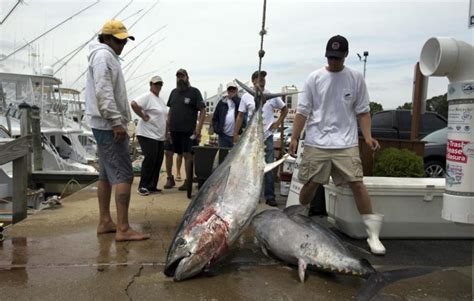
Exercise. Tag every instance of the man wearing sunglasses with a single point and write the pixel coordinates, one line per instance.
(335, 97)
(108, 112)
(151, 134)
(183, 127)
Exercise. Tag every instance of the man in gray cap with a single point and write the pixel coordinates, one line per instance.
(335, 97)
(151, 132)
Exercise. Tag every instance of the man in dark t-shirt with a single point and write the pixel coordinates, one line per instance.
(181, 129)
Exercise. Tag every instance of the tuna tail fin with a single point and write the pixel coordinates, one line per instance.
(257, 95)
(265, 95)
(379, 280)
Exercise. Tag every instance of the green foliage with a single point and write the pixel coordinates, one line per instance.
(375, 107)
(438, 104)
(405, 106)
(392, 162)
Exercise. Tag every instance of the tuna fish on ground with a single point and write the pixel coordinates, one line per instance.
(298, 240)
(223, 206)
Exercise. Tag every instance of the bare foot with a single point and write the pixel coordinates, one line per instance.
(130, 235)
(108, 227)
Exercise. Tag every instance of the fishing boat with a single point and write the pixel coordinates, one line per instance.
(64, 157)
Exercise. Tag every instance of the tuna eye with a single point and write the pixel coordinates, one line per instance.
(180, 242)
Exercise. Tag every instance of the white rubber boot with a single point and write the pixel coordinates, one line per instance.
(373, 224)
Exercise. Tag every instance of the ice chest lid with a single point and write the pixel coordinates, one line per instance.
(401, 184)
(405, 183)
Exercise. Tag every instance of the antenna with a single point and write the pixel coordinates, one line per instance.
(45, 33)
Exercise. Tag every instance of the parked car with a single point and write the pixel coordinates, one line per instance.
(435, 153)
(396, 124)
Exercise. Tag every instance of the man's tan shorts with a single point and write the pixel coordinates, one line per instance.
(317, 164)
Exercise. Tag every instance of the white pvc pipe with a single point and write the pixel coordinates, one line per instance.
(448, 57)
(455, 60)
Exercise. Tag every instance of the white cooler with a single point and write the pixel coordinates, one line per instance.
(412, 209)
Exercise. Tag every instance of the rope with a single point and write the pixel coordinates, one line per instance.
(263, 32)
(261, 52)
(69, 183)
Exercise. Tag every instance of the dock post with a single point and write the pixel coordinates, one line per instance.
(36, 138)
(20, 165)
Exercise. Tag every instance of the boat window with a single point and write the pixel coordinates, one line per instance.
(67, 140)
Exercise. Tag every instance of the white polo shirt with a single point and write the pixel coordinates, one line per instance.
(247, 104)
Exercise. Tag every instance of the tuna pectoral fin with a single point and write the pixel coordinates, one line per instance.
(301, 269)
(273, 165)
(378, 280)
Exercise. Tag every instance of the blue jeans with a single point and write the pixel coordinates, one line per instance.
(225, 141)
(269, 192)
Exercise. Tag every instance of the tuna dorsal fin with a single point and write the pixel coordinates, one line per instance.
(301, 269)
(295, 209)
(245, 87)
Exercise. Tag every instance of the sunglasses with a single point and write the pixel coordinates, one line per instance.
(119, 41)
(334, 58)
(232, 89)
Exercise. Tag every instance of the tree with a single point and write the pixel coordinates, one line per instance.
(406, 106)
(375, 107)
(438, 104)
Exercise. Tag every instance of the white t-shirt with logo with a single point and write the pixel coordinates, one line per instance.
(247, 104)
(331, 102)
(155, 107)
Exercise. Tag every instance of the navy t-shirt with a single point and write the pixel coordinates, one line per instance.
(184, 108)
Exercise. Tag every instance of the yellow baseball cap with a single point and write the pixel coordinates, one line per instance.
(117, 29)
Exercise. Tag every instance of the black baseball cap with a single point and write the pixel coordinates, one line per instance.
(337, 46)
(182, 71)
(262, 73)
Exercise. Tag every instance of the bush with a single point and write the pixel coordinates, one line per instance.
(392, 162)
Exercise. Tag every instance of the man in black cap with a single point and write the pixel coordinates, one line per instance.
(335, 97)
(185, 103)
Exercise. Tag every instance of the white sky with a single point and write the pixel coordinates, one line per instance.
(217, 40)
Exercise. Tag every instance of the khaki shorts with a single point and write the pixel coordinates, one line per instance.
(317, 164)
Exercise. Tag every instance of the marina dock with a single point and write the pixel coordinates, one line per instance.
(56, 254)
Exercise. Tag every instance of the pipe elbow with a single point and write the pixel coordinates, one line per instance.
(448, 57)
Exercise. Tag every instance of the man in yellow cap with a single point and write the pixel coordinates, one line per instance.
(108, 112)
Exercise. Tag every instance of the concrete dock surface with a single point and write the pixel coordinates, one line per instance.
(57, 255)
